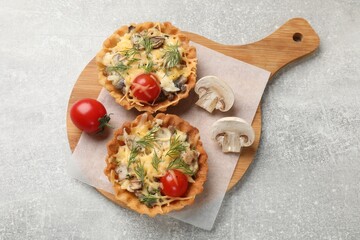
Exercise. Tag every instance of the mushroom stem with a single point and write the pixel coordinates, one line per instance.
(231, 142)
(214, 94)
(208, 101)
(232, 133)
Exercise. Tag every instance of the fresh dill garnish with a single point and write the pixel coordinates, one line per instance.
(148, 200)
(145, 142)
(133, 154)
(148, 67)
(148, 140)
(155, 161)
(172, 56)
(140, 171)
(179, 163)
(133, 60)
(147, 44)
(176, 147)
(131, 52)
(120, 68)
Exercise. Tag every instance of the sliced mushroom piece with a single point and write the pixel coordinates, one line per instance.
(214, 94)
(138, 194)
(189, 156)
(183, 88)
(117, 58)
(157, 41)
(172, 129)
(134, 185)
(169, 95)
(181, 83)
(232, 134)
(122, 172)
(130, 141)
(120, 84)
(136, 40)
(163, 134)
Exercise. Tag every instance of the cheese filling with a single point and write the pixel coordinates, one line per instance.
(148, 152)
(150, 51)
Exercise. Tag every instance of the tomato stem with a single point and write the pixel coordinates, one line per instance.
(104, 122)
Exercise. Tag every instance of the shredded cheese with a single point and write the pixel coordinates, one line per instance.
(142, 144)
(134, 63)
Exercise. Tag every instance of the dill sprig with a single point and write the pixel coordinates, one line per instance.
(145, 142)
(133, 154)
(147, 44)
(120, 68)
(155, 161)
(172, 56)
(148, 140)
(176, 147)
(133, 60)
(149, 67)
(149, 200)
(140, 171)
(180, 164)
(131, 52)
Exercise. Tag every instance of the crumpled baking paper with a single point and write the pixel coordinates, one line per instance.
(248, 83)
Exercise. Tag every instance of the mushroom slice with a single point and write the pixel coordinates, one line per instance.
(232, 134)
(118, 82)
(134, 184)
(214, 94)
(157, 41)
(121, 171)
(164, 134)
(136, 39)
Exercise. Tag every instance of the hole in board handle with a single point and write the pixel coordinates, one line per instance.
(297, 37)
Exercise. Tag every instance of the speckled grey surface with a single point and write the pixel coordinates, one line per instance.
(304, 182)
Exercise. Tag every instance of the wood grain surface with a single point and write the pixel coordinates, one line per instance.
(292, 41)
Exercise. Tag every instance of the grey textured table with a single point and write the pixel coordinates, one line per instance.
(304, 182)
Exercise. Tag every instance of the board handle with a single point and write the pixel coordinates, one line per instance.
(290, 42)
(293, 40)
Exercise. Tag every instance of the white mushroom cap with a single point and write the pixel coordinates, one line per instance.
(214, 93)
(232, 133)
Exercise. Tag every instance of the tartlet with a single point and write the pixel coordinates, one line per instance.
(132, 189)
(158, 49)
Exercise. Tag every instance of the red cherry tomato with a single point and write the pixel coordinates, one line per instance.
(89, 115)
(174, 183)
(145, 87)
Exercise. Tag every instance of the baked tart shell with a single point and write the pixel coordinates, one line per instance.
(112, 41)
(128, 199)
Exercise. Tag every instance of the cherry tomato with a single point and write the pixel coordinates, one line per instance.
(89, 115)
(174, 183)
(145, 87)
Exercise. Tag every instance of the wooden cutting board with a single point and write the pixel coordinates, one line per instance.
(292, 41)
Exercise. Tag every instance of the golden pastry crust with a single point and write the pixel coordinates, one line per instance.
(128, 199)
(166, 28)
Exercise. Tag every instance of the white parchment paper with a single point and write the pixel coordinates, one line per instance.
(248, 83)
